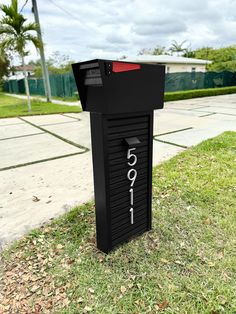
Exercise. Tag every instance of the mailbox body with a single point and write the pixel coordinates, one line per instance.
(104, 91)
(121, 104)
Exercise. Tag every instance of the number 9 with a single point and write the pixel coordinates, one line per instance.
(131, 175)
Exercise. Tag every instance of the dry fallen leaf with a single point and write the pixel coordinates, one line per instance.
(165, 261)
(59, 246)
(91, 290)
(35, 199)
(207, 221)
(34, 288)
(220, 255)
(211, 264)
(66, 302)
(179, 263)
(87, 309)
(122, 289)
(163, 305)
(101, 258)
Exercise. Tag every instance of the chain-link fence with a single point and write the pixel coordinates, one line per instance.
(198, 80)
(63, 85)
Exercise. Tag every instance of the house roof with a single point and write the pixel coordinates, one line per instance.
(28, 67)
(165, 59)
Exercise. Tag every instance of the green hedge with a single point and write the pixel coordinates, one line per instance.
(170, 96)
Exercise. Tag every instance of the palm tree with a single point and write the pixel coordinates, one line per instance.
(16, 34)
(175, 47)
(4, 64)
(160, 50)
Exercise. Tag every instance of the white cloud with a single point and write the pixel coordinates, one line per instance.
(111, 28)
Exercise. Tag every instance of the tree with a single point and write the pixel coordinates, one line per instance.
(57, 64)
(189, 53)
(205, 53)
(160, 50)
(4, 64)
(59, 60)
(4, 67)
(224, 59)
(16, 35)
(177, 47)
(145, 51)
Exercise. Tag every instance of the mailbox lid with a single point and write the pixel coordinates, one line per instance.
(89, 80)
(111, 87)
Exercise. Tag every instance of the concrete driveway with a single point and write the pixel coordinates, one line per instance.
(46, 162)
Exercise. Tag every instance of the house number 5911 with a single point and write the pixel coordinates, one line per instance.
(132, 175)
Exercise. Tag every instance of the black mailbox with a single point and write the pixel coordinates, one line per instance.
(121, 97)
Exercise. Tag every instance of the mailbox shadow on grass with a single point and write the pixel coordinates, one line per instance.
(186, 264)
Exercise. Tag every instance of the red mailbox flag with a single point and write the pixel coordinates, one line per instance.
(124, 67)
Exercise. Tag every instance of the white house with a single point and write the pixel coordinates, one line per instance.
(173, 64)
(18, 74)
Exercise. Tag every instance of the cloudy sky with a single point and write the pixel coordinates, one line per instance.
(112, 28)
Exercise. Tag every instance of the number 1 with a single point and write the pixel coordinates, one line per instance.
(131, 216)
(131, 197)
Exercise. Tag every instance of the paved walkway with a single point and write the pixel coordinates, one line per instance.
(46, 163)
(55, 101)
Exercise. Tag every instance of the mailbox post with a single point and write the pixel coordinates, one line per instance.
(121, 97)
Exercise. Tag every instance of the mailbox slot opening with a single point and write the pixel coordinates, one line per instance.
(92, 74)
(132, 142)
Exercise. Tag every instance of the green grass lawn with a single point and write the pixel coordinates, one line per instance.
(186, 264)
(14, 107)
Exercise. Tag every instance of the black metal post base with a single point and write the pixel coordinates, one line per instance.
(122, 165)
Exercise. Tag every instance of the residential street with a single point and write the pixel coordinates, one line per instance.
(46, 164)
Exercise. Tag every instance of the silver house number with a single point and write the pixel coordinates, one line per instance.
(131, 176)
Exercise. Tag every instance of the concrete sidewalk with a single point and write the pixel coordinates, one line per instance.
(46, 162)
(54, 101)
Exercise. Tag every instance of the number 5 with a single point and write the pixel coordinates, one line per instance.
(130, 155)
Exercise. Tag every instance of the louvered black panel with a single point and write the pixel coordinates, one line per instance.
(117, 130)
(113, 199)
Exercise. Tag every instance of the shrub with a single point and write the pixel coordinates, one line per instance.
(171, 96)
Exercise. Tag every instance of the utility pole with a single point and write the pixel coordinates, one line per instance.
(43, 62)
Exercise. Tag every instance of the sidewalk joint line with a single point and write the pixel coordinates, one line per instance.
(66, 115)
(57, 136)
(171, 132)
(39, 161)
(226, 114)
(206, 115)
(10, 124)
(170, 143)
(15, 137)
(48, 124)
(187, 109)
(198, 108)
